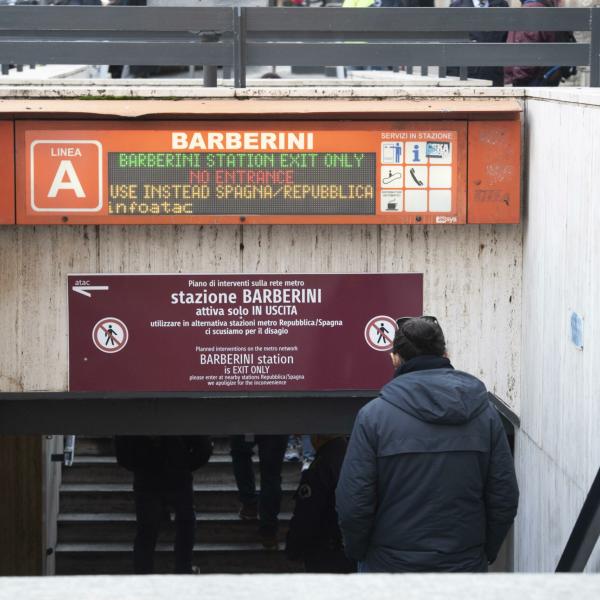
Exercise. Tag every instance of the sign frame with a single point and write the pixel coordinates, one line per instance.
(86, 130)
(7, 172)
(91, 297)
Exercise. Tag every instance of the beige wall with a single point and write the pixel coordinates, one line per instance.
(558, 446)
(472, 281)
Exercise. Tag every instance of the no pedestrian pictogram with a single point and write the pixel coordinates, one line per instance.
(379, 333)
(110, 335)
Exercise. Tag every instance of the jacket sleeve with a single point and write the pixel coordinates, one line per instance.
(125, 451)
(501, 492)
(356, 493)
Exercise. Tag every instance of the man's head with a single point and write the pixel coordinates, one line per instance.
(417, 336)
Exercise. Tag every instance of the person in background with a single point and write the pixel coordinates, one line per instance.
(360, 3)
(78, 2)
(535, 76)
(495, 74)
(116, 71)
(428, 482)
(162, 480)
(266, 505)
(314, 535)
(407, 3)
(293, 451)
(300, 448)
(308, 451)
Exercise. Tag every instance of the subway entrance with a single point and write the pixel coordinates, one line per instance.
(200, 292)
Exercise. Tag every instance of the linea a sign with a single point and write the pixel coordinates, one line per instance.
(235, 332)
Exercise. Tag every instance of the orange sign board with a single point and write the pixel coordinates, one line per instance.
(7, 186)
(494, 187)
(102, 172)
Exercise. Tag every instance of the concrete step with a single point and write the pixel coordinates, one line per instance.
(86, 445)
(94, 446)
(104, 469)
(218, 528)
(118, 497)
(116, 558)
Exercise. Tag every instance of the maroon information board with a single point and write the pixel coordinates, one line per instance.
(224, 333)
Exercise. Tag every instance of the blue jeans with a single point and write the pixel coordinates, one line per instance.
(271, 449)
(308, 452)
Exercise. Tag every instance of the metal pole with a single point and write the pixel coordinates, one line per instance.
(595, 47)
(585, 533)
(239, 47)
(209, 72)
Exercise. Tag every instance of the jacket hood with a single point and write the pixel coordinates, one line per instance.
(443, 396)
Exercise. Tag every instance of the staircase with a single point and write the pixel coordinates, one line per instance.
(96, 523)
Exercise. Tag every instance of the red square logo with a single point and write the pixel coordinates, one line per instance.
(66, 176)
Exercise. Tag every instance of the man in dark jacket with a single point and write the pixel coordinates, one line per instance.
(314, 535)
(428, 482)
(265, 504)
(495, 74)
(162, 479)
(534, 76)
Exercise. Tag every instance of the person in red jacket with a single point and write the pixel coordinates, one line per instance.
(532, 76)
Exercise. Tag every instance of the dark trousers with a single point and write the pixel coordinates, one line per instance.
(271, 449)
(150, 507)
(328, 561)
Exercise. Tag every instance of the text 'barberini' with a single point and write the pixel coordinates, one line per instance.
(244, 140)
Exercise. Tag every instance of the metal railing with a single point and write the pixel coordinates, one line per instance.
(585, 533)
(236, 38)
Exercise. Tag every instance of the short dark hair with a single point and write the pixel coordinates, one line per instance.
(417, 337)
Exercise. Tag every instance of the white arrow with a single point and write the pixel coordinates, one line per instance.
(83, 289)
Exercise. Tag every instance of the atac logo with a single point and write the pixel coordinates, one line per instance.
(65, 176)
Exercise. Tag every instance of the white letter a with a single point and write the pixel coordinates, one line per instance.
(71, 183)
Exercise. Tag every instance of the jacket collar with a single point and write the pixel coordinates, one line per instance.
(423, 363)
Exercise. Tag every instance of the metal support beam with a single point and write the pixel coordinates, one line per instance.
(179, 413)
(595, 47)
(239, 47)
(585, 534)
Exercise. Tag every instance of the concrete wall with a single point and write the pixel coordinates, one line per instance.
(558, 446)
(316, 587)
(472, 281)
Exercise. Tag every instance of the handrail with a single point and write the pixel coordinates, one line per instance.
(505, 410)
(585, 534)
(282, 36)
